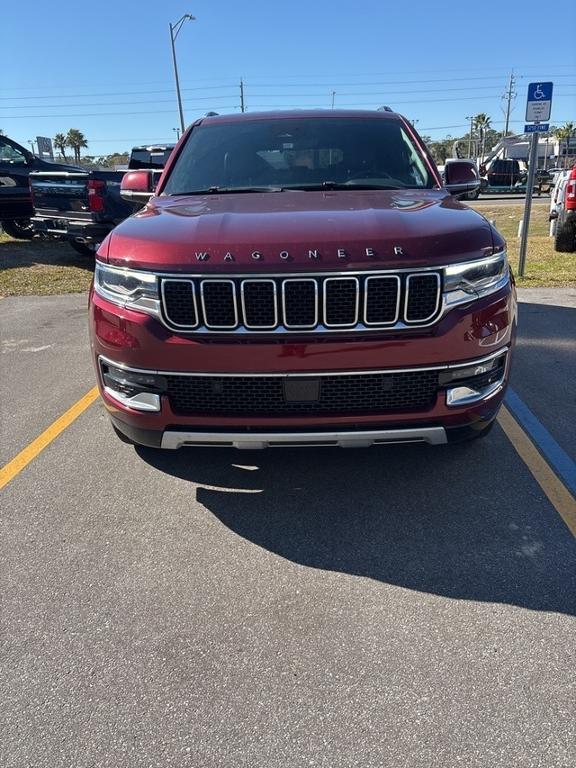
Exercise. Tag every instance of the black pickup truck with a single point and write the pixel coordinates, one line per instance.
(16, 164)
(82, 206)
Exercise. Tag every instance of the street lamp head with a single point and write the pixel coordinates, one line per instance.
(190, 17)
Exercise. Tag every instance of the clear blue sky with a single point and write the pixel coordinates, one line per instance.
(106, 67)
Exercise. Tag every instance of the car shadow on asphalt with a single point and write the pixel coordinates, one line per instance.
(464, 521)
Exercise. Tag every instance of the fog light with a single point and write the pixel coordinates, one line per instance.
(478, 369)
(475, 382)
(133, 389)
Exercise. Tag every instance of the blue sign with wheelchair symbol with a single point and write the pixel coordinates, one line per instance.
(539, 102)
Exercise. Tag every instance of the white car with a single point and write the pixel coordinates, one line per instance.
(557, 199)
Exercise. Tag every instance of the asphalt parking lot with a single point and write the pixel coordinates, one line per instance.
(396, 606)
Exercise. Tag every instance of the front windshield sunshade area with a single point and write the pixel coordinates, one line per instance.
(306, 153)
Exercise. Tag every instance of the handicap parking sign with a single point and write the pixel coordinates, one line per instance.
(539, 102)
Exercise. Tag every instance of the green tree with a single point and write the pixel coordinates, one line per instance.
(442, 150)
(76, 140)
(566, 131)
(60, 144)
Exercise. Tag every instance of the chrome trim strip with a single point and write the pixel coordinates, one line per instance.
(422, 321)
(164, 304)
(315, 374)
(314, 326)
(325, 301)
(218, 282)
(304, 273)
(398, 299)
(243, 305)
(172, 440)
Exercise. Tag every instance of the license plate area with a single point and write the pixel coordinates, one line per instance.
(302, 390)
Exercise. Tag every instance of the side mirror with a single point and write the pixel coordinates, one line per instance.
(137, 187)
(461, 177)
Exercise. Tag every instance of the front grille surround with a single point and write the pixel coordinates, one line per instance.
(305, 303)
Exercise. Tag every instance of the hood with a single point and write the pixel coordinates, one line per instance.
(297, 230)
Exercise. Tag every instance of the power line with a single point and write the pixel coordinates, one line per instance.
(254, 83)
(316, 95)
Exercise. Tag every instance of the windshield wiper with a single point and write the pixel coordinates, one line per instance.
(341, 185)
(227, 190)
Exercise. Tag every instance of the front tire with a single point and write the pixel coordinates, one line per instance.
(20, 229)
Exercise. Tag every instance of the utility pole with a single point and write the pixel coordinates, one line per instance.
(509, 97)
(471, 118)
(174, 29)
(242, 105)
(177, 132)
(333, 97)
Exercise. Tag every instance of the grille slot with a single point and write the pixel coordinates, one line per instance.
(422, 297)
(341, 297)
(300, 303)
(180, 302)
(381, 300)
(259, 307)
(266, 395)
(361, 301)
(219, 304)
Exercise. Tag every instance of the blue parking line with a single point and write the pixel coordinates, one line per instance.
(556, 456)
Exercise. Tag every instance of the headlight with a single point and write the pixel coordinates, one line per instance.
(465, 282)
(128, 288)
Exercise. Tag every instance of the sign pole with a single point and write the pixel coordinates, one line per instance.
(532, 163)
(538, 108)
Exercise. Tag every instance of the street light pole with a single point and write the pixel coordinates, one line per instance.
(174, 29)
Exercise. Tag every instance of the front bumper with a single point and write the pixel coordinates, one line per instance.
(465, 335)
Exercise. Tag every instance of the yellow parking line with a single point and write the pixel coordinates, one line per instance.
(557, 493)
(19, 462)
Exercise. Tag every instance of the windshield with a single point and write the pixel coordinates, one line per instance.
(301, 153)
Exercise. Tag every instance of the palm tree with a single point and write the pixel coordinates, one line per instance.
(60, 144)
(565, 132)
(482, 123)
(75, 139)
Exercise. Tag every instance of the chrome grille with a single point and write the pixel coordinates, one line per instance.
(320, 302)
